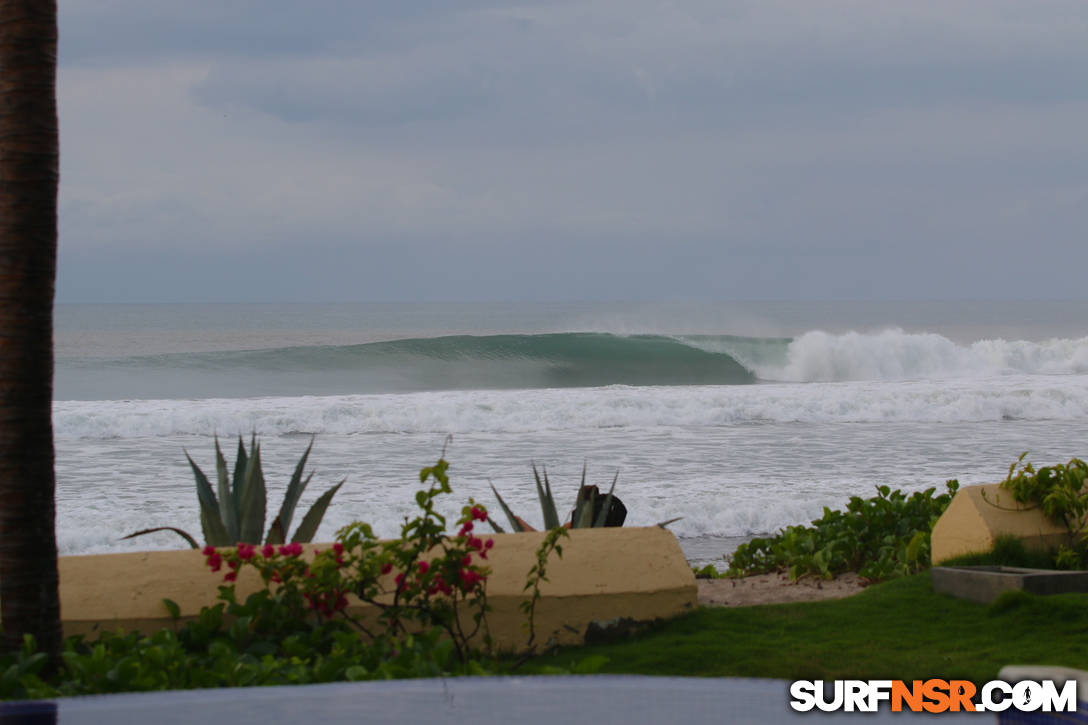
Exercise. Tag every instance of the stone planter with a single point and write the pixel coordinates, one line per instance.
(615, 575)
(984, 584)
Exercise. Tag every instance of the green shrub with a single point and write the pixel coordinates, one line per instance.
(880, 537)
(1060, 492)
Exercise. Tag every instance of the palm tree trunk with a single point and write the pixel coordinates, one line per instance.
(28, 258)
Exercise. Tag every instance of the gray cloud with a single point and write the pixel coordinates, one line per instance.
(340, 150)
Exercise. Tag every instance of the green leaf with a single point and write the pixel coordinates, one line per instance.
(581, 517)
(290, 499)
(172, 607)
(589, 665)
(228, 507)
(308, 528)
(276, 533)
(253, 499)
(355, 673)
(599, 523)
(547, 502)
(215, 534)
(506, 510)
(240, 464)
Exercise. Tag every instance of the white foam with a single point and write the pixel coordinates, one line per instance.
(952, 400)
(897, 355)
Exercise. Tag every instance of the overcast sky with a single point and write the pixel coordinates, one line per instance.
(336, 150)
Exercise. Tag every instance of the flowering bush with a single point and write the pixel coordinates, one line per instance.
(423, 580)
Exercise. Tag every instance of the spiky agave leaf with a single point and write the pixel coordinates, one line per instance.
(215, 534)
(603, 515)
(228, 509)
(514, 523)
(308, 528)
(240, 463)
(254, 496)
(547, 501)
(582, 518)
(277, 533)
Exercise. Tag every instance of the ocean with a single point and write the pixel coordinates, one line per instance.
(739, 417)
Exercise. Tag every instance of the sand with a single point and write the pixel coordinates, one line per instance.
(775, 589)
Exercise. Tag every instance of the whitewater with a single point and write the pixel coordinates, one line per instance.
(739, 433)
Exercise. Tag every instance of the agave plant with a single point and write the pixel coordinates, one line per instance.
(238, 514)
(591, 509)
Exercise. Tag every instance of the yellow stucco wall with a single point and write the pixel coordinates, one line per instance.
(977, 515)
(604, 574)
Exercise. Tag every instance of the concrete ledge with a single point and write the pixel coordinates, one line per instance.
(978, 515)
(637, 574)
(984, 584)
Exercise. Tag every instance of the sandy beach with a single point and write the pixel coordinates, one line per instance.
(775, 589)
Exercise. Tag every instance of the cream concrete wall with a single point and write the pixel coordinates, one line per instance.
(978, 515)
(604, 574)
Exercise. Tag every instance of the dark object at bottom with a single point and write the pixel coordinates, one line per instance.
(617, 512)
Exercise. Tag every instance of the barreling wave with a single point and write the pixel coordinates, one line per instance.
(561, 360)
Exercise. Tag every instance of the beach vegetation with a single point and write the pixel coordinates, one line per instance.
(708, 571)
(1060, 492)
(237, 514)
(591, 508)
(881, 537)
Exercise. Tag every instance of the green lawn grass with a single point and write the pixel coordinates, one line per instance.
(899, 629)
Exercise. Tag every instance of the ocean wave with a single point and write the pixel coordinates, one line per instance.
(461, 362)
(963, 400)
(562, 360)
(896, 355)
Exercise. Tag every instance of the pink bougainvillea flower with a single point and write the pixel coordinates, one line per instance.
(386, 568)
(423, 567)
(215, 561)
(338, 548)
(230, 576)
(208, 550)
(489, 543)
(292, 549)
(246, 551)
(268, 551)
(479, 513)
